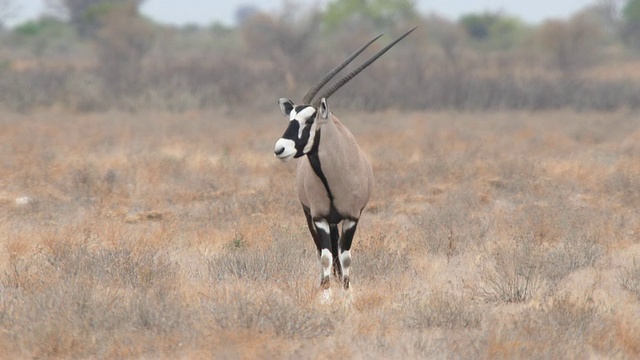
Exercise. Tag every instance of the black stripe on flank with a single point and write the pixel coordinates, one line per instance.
(334, 216)
(314, 160)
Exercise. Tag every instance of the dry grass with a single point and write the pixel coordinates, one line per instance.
(489, 235)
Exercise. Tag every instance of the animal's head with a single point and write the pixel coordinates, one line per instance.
(305, 120)
(304, 123)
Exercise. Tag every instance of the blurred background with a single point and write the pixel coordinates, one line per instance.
(143, 215)
(98, 55)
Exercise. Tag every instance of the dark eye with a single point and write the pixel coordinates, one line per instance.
(309, 121)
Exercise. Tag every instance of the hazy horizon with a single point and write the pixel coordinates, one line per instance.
(206, 12)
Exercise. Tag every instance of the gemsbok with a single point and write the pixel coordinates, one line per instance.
(335, 180)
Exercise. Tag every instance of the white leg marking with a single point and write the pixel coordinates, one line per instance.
(345, 256)
(345, 261)
(347, 224)
(323, 225)
(326, 260)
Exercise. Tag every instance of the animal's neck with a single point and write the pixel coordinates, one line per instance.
(314, 160)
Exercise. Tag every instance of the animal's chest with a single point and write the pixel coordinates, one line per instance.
(328, 191)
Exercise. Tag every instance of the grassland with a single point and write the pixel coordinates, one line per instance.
(154, 235)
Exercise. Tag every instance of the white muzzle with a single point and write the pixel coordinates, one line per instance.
(285, 149)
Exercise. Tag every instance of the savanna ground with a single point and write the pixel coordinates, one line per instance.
(154, 235)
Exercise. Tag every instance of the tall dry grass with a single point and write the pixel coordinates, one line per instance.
(508, 235)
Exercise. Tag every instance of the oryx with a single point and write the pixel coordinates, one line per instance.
(334, 177)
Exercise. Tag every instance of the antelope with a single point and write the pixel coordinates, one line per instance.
(335, 180)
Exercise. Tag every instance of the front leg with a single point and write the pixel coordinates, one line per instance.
(323, 243)
(348, 230)
(335, 251)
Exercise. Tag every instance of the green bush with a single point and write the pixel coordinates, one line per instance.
(46, 26)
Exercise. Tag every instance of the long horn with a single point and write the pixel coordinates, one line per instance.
(309, 96)
(355, 72)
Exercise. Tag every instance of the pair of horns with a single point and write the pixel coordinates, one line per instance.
(311, 94)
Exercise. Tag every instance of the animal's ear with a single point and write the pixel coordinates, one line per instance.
(323, 110)
(286, 106)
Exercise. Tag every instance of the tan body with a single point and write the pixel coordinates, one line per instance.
(347, 169)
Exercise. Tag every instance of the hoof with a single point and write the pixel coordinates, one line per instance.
(326, 297)
(325, 283)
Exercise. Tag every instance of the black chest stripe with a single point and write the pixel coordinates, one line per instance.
(333, 216)
(314, 160)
